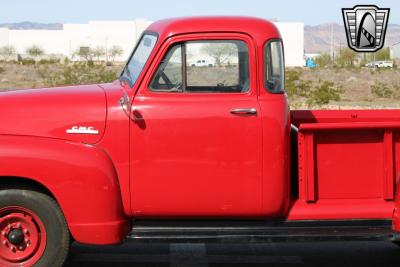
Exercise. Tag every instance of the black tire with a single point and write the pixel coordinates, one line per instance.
(48, 211)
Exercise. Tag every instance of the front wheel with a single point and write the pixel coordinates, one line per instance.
(33, 230)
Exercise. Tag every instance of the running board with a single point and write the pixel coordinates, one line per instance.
(261, 231)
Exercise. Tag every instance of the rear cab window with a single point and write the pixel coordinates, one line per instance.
(274, 67)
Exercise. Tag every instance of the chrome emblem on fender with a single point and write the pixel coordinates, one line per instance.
(82, 130)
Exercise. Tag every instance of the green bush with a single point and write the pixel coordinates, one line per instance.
(294, 85)
(323, 60)
(346, 58)
(292, 78)
(49, 61)
(323, 93)
(2, 70)
(28, 61)
(79, 73)
(380, 89)
(304, 88)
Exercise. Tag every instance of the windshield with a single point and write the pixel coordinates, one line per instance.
(139, 58)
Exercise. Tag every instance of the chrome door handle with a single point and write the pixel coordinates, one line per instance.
(244, 111)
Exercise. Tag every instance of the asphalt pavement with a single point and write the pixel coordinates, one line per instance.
(356, 253)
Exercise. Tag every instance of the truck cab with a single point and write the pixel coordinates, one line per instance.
(220, 134)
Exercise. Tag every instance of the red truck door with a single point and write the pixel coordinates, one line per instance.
(196, 131)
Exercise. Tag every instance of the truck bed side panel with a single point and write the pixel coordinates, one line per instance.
(348, 164)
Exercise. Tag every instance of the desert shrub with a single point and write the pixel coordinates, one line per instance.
(27, 61)
(84, 53)
(79, 73)
(396, 91)
(323, 93)
(294, 85)
(49, 61)
(7, 52)
(346, 58)
(115, 51)
(292, 77)
(304, 88)
(380, 89)
(35, 52)
(2, 70)
(99, 52)
(323, 60)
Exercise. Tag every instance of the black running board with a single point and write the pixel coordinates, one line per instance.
(261, 231)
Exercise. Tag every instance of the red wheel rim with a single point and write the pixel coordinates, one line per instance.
(22, 237)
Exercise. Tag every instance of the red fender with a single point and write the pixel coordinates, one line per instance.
(81, 177)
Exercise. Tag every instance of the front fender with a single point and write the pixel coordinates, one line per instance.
(81, 177)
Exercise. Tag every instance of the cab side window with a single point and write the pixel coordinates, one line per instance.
(215, 66)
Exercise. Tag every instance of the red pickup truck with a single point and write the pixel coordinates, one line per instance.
(177, 151)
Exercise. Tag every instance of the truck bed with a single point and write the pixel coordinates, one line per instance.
(348, 163)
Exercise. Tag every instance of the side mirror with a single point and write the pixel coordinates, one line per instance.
(270, 84)
(274, 85)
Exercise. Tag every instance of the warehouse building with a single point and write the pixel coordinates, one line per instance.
(124, 34)
(395, 51)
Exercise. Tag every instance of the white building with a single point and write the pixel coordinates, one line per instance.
(395, 51)
(123, 34)
(293, 42)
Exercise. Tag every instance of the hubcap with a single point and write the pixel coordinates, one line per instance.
(22, 237)
(16, 237)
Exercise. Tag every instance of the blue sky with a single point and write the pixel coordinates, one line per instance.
(80, 11)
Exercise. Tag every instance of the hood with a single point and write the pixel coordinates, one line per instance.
(76, 113)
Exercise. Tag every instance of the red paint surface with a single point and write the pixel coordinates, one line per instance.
(186, 155)
(49, 112)
(348, 164)
(81, 177)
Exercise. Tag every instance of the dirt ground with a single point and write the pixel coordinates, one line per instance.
(356, 83)
(17, 76)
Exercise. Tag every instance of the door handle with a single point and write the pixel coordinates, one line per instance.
(244, 111)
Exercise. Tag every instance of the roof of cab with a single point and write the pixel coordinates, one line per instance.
(257, 28)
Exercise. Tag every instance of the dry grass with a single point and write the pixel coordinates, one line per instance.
(356, 83)
(17, 76)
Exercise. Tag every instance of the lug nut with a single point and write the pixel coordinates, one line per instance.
(26, 231)
(18, 225)
(5, 242)
(9, 226)
(13, 249)
(3, 233)
(20, 247)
